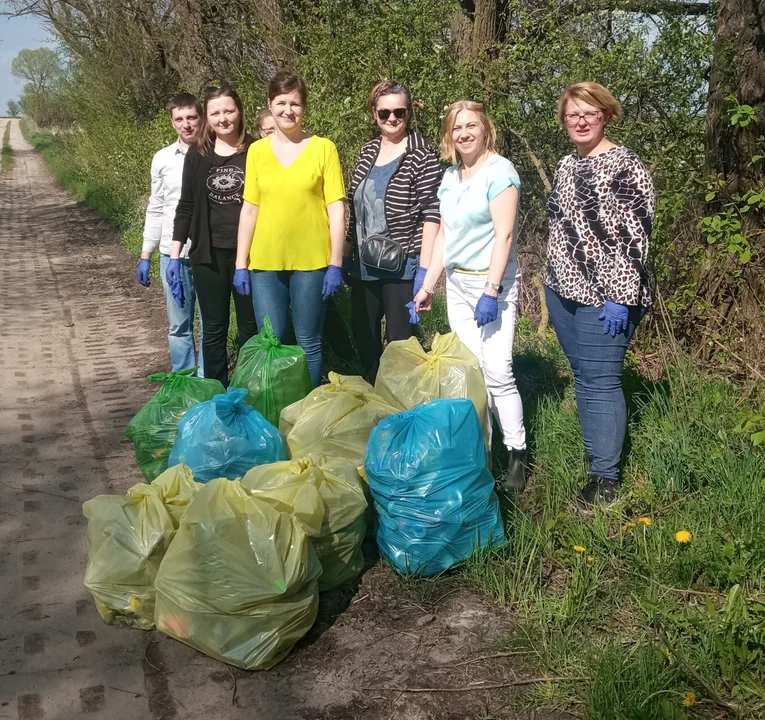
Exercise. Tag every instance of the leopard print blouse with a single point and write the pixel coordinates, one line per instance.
(600, 212)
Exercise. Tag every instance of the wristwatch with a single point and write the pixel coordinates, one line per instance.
(494, 286)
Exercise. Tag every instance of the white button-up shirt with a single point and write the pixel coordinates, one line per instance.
(166, 177)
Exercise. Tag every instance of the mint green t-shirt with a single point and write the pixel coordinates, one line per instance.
(465, 213)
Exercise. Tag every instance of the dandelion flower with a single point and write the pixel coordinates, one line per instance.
(627, 526)
(644, 521)
(579, 549)
(689, 700)
(590, 559)
(683, 536)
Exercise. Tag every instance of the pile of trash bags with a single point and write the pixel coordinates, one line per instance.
(228, 549)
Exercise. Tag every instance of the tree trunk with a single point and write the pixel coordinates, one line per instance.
(738, 69)
(485, 25)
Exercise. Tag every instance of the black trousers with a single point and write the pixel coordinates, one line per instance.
(370, 300)
(214, 289)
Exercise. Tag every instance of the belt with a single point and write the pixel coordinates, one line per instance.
(465, 271)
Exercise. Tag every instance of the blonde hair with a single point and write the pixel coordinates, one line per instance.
(448, 150)
(593, 94)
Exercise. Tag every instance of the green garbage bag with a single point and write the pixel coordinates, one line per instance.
(155, 426)
(239, 581)
(343, 524)
(127, 539)
(334, 420)
(274, 375)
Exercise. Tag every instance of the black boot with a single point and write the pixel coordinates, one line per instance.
(514, 481)
(599, 491)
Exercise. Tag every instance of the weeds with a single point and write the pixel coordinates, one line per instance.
(6, 160)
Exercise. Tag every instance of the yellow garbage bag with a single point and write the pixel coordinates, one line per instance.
(334, 420)
(342, 523)
(239, 582)
(409, 376)
(127, 539)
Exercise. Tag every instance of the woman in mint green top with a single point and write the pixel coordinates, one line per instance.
(476, 245)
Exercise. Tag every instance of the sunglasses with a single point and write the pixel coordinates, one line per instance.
(384, 114)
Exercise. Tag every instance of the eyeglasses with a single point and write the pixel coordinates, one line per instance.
(590, 117)
(384, 114)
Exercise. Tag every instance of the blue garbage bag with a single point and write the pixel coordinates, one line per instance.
(433, 493)
(226, 437)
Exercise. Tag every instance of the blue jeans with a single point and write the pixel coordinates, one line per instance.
(596, 360)
(180, 337)
(272, 295)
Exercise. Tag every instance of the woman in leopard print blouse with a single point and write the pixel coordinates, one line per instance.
(598, 285)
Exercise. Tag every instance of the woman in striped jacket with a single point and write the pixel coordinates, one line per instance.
(393, 194)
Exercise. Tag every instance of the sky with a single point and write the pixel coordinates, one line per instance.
(17, 34)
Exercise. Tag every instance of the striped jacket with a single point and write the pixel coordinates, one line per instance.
(410, 198)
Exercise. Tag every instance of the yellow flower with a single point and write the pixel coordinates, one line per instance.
(579, 549)
(627, 526)
(683, 536)
(689, 700)
(644, 521)
(590, 559)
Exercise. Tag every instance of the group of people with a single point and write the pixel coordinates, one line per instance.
(264, 220)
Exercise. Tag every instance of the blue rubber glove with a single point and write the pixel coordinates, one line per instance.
(414, 318)
(616, 318)
(142, 273)
(177, 288)
(242, 281)
(347, 267)
(419, 278)
(486, 310)
(173, 272)
(333, 281)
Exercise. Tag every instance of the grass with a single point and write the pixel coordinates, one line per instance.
(638, 620)
(6, 160)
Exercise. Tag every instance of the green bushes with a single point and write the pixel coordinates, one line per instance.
(6, 161)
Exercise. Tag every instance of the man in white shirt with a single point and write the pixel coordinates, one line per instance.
(166, 177)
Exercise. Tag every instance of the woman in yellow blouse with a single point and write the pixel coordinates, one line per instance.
(292, 224)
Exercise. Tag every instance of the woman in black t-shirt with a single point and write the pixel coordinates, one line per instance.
(208, 213)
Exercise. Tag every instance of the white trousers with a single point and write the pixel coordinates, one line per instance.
(492, 344)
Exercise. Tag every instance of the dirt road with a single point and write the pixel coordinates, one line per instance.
(77, 338)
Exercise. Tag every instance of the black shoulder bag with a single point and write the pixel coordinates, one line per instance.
(377, 251)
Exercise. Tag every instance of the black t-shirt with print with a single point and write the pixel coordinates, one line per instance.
(225, 183)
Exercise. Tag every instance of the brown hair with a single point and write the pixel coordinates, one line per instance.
(388, 87)
(287, 81)
(448, 150)
(263, 113)
(184, 100)
(593, 94)
(206, 140)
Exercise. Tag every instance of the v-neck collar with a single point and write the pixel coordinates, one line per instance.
(300, 154)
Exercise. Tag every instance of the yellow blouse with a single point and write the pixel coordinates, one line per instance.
(292, 228)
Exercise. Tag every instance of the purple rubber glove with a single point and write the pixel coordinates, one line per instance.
(486, 310)
(616, 318)
(142, 273)
(177, 289)
(414, 318)
(333, 281)
(242, 281)
(173, 272)
(419, 278)
(347, 267)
